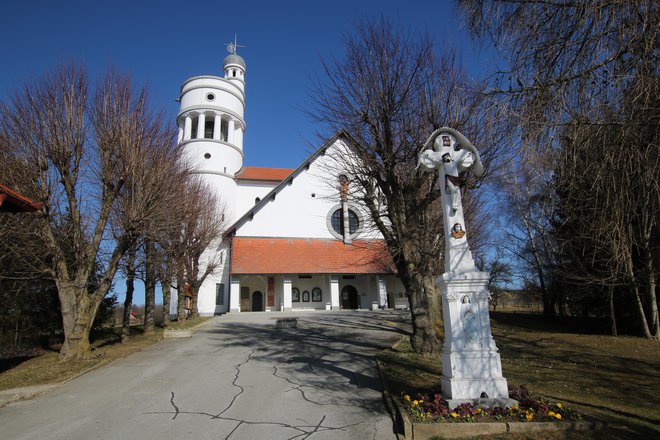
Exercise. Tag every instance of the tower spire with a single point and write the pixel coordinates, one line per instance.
(232, 46)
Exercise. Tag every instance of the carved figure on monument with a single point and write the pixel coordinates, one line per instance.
(470, 329)
(457, 231)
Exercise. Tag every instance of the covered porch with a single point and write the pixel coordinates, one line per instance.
(279, 274)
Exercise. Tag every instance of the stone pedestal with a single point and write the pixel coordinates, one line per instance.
(471, 366)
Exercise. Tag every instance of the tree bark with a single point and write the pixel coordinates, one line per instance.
(612, 315)
(650, 281)
(149, 288)
(78, 312)
(181, 299)
(423, 339)
(638, 301)
(194, 313)
(130, 288)
(167, 294)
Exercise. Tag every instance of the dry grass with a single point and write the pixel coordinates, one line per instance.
(617, 379)
(49, 367)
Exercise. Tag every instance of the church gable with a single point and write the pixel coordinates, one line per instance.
(307, 204)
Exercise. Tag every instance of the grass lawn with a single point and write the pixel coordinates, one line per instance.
(48, 367)
(617, 379)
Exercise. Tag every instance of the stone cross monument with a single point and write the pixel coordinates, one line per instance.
(471, 366)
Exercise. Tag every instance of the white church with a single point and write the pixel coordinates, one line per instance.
(293, 241)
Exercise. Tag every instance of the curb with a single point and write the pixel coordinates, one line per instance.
(422, 431)
(27, 393)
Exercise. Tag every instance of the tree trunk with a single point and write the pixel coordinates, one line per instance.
(194, 313)
(612, 315)
(653, 301)
(181, 299)
(130, 288)
(423, 338)
(638, 301)
(149, 288)
(167, 294)
(78, 311)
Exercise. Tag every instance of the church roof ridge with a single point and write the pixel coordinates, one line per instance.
(341, 134)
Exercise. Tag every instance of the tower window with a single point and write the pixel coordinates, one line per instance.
(210, 97)
(257, 200)
(193, 128)
(208, 129)
(207, 155)
(224, 130)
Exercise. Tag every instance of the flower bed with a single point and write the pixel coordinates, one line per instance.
(429, 416)
(434, 409)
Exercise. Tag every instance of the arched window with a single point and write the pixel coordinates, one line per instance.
(337, 222)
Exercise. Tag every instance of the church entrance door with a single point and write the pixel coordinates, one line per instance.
(257, 302)
(349, 298)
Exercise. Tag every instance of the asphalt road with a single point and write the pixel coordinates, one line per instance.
(238, 377)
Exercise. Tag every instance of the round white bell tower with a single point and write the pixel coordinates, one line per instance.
(211, 127)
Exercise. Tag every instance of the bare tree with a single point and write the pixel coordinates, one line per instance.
(389, 92)
(582, 81)
(530, 209)
(609, 184)
(79, 153)
(193, 244)
(565, 57)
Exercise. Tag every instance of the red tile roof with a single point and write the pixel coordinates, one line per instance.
(11, 201)
(251, 255)
(263, 173)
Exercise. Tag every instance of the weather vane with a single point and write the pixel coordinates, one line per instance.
(231, 47)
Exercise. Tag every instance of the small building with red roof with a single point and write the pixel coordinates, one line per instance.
(12, 201)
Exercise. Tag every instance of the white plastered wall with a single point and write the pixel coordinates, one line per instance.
(301, 208)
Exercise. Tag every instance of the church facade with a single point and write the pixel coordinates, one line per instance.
(293, 240)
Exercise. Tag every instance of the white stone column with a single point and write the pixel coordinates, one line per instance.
(235, 295)
(187, 128)
(471, 363)
(216, 126)
(382, 292)
(200, 126)
(334, 292)
(230, 131)
(180, 135)
(288, 305)
(239, 137)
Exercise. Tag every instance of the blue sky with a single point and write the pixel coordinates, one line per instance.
(162, 43)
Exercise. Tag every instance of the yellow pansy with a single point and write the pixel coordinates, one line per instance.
(454, 414)
(559, 405)
(558, 416)
(406, 398)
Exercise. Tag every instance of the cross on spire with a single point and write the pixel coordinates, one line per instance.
(232, 46)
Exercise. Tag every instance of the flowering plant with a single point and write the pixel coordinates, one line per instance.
(433, 408)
